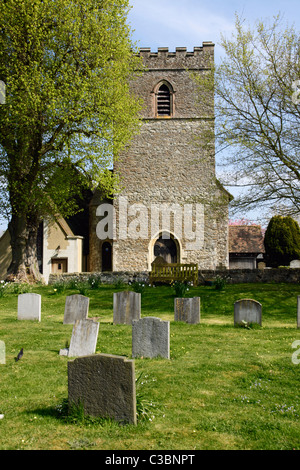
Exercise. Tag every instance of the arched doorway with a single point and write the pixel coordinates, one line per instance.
(167, 249)
(106, 256)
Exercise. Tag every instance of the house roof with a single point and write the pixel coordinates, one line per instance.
(246, 239)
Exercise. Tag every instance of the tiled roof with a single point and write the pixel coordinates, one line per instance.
(246, 239)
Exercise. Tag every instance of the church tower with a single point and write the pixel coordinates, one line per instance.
(171, 204)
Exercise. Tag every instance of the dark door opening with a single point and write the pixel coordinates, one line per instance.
(167, 249)
(106, 256)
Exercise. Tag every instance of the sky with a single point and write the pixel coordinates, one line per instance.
(187, 23)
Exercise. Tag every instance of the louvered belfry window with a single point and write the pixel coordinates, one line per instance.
(164, 101)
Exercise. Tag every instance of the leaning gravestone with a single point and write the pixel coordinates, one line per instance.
(127, 307)
(76, 308)
(247, 311)
(187, 310)
(151, 338)
(83, 340)
(29, 306)
(105, 386)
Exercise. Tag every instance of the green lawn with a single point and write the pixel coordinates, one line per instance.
(223, 388)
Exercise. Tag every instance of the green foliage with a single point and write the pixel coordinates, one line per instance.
(219, 283)
(68, 110)
(138, 287)
(94, 281)
(146, 409)
(59, 287)
(282, 241)
(180, 288)
(3, 288)
(119, 283)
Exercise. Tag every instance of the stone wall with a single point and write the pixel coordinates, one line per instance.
(166, 164)
(232, 276)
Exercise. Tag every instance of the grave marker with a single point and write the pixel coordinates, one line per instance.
(29, 306)
(76, 308)
(247, 311)
(151, 338)
(187, 310)
(84, 338)
(105, 386)
(295, 263)
(127, 307)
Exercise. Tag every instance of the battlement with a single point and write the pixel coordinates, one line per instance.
(180, 51)
(201, 56)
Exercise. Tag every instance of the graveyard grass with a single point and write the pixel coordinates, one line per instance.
(223, 388)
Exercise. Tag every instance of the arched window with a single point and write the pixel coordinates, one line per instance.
(164, 99)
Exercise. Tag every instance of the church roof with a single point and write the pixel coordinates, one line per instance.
(246, 239)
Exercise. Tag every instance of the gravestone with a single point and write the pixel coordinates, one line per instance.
(247, 311)
(83, 340)
(29, 306)
(151, 338)
(105, 386)
(76, 308)
(295, 263)
(187, 310)
(127, 307)
(298, 311)
(2, 352)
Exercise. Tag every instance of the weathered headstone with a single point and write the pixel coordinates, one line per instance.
(76, 308)
(2, 352)
(298, 311)
(187, 310)
(127, 307)
(151, 338)
(29, 306)
(104, 385)
(247, 311)
(295, 263)
(84, 338)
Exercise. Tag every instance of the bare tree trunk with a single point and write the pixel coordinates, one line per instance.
(23, 240)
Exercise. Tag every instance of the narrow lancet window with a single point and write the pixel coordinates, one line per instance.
(163, 101)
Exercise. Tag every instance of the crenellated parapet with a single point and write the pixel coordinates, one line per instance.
(200, 57)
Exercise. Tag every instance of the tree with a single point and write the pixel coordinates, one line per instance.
(282, 241)
(68, 109)
(257, 111)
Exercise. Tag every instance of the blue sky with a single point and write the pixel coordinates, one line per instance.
(187, 23)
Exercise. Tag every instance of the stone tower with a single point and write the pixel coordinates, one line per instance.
(171, 204)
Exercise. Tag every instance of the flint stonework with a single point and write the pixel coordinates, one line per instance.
(187, 310)
(29, 306)
(105, 386)
(247, 311)
(151, 338)
(127, 307)
(76, 308)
